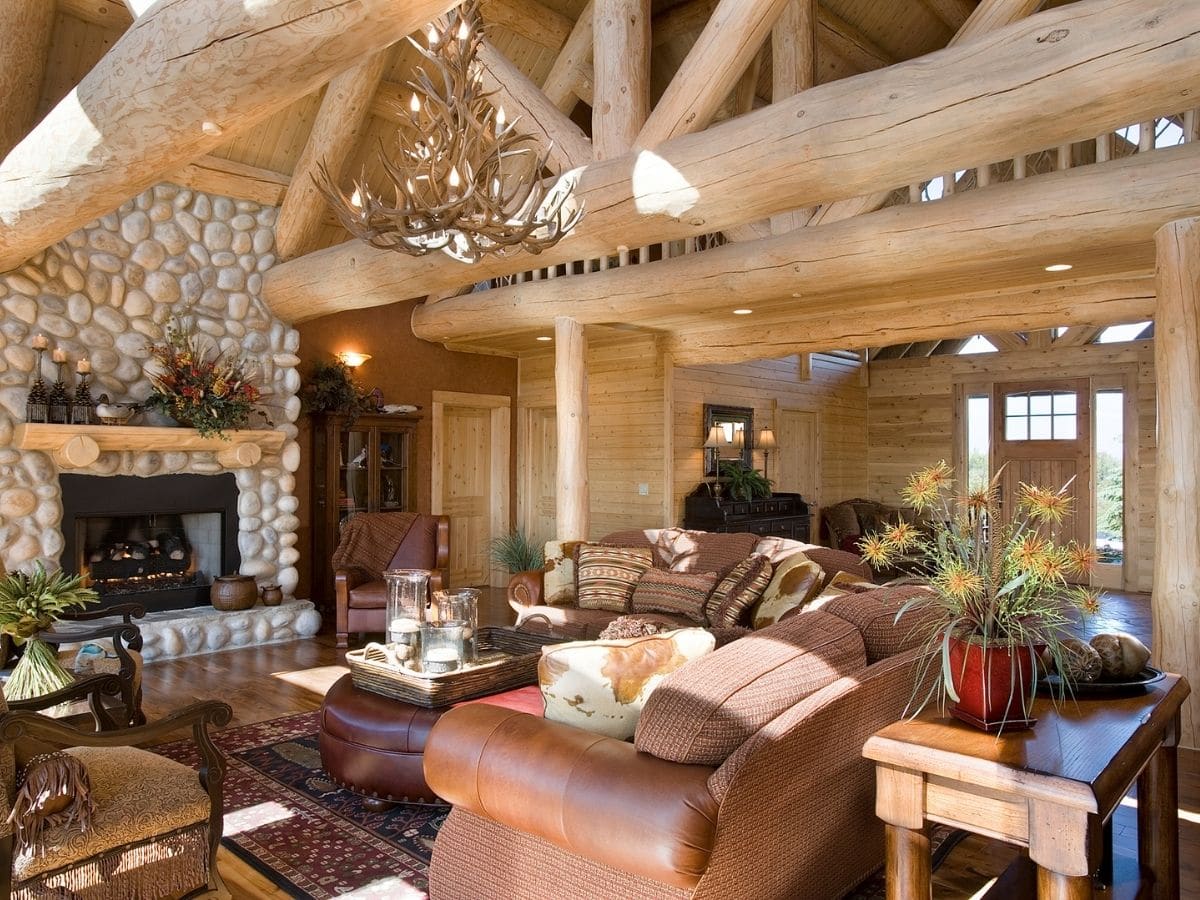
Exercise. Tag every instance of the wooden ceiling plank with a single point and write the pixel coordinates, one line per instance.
(922, 349)
(568, 146)
(953, 12)
(682, 19)
(139, 114)
(1109, 211)
(561, 84)
(1005, 340)
(850, 43)
(110, 14)
(989, 16)
(871, 321)
(998, 98)
(215, 175)
(621, 61)
(340, 121)
(726, 47)
(1078, 335)
(26, 26)
(531, 20)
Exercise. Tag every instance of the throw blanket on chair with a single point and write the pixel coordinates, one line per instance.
(369, 541)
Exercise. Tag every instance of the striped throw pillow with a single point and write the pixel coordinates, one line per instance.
(677, 593)
(608, 575)
(743, 595)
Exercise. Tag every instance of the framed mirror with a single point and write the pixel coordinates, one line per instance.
(728, 435)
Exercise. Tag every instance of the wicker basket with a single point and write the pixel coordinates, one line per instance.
(509, 660)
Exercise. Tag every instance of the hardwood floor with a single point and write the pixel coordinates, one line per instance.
(267, 682)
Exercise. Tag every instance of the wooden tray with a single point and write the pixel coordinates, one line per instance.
(508, 659)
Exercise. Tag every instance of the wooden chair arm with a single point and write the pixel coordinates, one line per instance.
(200, 716)
(126, 611)
(91, 688)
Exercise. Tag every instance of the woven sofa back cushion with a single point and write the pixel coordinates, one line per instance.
(703, 713)
(677, 593)
(873, 613)
(660, 540)
(601, 686)
(608, 575)
(703, 551)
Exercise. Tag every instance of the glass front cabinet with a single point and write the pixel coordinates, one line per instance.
(364, 465)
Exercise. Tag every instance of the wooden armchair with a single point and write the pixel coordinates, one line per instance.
(156, 825)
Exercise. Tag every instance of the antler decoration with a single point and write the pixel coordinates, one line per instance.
(465, 181)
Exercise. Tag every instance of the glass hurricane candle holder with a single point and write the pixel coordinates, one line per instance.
(460, 605)
(407, 590)
(441, 646)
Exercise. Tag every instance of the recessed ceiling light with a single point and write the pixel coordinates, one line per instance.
(1059, 267)
(544, 337)
(742, 311)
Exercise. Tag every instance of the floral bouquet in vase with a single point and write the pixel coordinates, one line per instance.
(199, 387)
(1000, 598)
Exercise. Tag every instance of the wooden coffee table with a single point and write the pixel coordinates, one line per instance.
(1050, 789)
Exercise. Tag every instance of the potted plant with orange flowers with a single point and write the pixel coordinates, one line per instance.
(999, 592)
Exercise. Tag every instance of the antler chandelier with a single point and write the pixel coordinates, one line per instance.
(464, 180)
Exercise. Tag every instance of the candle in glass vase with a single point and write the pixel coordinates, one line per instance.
(441, 659)
(59, 355)
(406, 635)
(40, 342)
(83, 367)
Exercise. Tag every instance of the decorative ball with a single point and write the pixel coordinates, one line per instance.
(1121, 655)
(1079, 661)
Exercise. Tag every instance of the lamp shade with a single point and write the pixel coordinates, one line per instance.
(739, 438)
(352, 359)
(766, 440)
(716, 438)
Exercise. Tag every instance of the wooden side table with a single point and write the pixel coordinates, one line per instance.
(1050, 789)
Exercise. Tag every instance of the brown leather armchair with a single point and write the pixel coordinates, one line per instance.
(372, 543)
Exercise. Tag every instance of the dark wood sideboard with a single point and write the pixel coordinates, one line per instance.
(780, 515)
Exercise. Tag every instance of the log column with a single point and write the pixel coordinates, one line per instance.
(571, 500)
(27, 26)
(1176, 598)
(622, 79)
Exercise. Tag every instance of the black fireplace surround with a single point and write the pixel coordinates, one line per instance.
(152, 510)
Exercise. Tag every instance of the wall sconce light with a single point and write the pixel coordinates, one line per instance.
(767, 443)
(352, 359)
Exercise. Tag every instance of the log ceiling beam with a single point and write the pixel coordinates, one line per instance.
(621, 85)
(529, 19)
(1078, 335)
(793, 69)
(726, 47)
(869, 321)
(140, 113)
(340, 123)
(1012, 92)
(745, 93)
(569, 147)
(215, 175)
(1100, 217)
(850, 43)
(562, 81)
(1005, 340)
(26, 26)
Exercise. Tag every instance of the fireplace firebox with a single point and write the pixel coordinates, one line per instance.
(156, 541)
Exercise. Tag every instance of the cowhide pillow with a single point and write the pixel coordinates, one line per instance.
(558, 580)
(795, 581)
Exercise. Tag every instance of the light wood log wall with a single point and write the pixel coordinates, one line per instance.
(833, 389)
(912, 421)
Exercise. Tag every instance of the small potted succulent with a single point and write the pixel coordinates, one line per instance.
(999, 593)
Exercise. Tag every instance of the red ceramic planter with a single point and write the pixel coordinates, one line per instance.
(993, 685)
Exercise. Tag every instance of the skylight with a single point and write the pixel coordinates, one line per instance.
(1114, 334)
(977, 344)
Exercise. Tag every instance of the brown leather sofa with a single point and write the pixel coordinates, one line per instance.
(371, 543)
(543, 810)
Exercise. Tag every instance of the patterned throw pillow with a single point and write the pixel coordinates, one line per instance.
(608, 575)
(795, 581)
(601, 686)
(727, 584)
(743, 595)
(677, 593)
(558, 580)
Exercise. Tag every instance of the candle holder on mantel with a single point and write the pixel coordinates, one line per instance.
(60, 401)
(83, 411)
(37, 406)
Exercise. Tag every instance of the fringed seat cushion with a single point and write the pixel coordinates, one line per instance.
(138, 796)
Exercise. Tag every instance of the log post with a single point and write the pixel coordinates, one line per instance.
(27, 26)
(793, 69)
(1176, 598)
(188, 77)
(335, 133)
(571, 500)
(622, 80)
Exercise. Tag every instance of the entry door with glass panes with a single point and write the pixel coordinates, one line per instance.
(1042, 435)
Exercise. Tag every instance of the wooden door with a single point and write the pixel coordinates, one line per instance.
(471, 480)
(539, 466)
(796, 464)
(1042, 434)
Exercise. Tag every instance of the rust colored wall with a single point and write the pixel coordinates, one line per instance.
(407, 370)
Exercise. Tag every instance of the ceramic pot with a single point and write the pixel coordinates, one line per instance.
(993, 685)
(272, 595)
(233, 593)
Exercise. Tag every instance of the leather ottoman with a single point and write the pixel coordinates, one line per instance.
(374, 745)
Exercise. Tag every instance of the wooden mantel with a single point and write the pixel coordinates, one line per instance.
(78, 446)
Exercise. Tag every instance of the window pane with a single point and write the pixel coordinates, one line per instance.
(1016, 405)
(1016, 429)
(1064, 402)
(1109, 479)
(1039, 428)
(1039, 404)
(1065, 428)
(979, 426)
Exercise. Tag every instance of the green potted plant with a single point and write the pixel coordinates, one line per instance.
(745, 483)
(331, 389)
(999, 594)
(30, 604)
(515, 552)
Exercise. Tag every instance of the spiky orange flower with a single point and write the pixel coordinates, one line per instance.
(1052, 564)
(1044, 505)
(978, 501)
(876, 550)
(1027, 552)
(958, 583)
(903, 536)
(1081, 558)
(1089, 601)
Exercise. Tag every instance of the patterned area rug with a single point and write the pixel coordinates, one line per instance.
(303, 832)
(314, 839)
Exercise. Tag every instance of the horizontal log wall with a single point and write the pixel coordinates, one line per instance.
(911, 420)
(833, 390)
